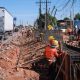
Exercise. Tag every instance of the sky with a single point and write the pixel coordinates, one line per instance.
(27, 11)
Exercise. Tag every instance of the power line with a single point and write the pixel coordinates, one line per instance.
(40, 5)
(73, 1)
(52, 10)
(55, 12)
(71, 7)
(64, 5)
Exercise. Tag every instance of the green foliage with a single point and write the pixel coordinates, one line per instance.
(77, 16)
(66, 18)
(41, 20)
(52, 20)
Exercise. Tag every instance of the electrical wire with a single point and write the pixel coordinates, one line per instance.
(58, 5)
(72, 3)
(52, 10)
(64, 5)
(69, 8)
(59, 10)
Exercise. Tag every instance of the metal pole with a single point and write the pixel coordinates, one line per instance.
(46, 17)
(74, 68)
(70, 69)
(40, 24)
(73, 18)
(40, 8)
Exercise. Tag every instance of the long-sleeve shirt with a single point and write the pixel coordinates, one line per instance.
(51, 53)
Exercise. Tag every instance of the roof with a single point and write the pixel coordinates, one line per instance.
(6, 10)
(60, 21)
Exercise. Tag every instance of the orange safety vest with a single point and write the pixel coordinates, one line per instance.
(50, 53)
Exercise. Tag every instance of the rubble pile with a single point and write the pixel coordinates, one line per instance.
(8, 56)
(73, 43)
(23, 37)
(19, 53)
(20, 74)
(65, 38)
(68, 41)
(31, 53)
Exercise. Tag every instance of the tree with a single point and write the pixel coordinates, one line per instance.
(66, 18)
(77, 16)
(52, 20)
(41, 21)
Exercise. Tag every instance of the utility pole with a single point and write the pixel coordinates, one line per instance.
(46, 21)
(40, 11)
(71, 22)
(73, 16)
(52, 9)
(14, 21)
(46, 16)
(40, 6)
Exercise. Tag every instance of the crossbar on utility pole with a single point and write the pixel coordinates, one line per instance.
(45, 2)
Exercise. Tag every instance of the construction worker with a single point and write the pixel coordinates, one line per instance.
(51, 38)
(51, 56)
(41, 36)
(50, 27)
(55, 42)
